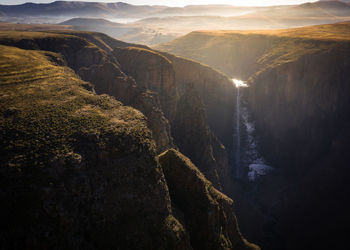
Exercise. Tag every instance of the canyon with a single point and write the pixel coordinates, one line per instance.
(83, 120)
(298, 99)
(213, 140)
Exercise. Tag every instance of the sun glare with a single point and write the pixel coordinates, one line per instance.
(239, 83)
(207, 2)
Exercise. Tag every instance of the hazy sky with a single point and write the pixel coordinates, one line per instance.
(179, 2)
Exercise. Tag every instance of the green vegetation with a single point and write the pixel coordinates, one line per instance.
(44, 109)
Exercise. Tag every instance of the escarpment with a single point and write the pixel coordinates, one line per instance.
(298, 92)
(189, 96)
(209, 94)
(207, 213)
(298, 82)
(305, 132)
(152, 83)
(79, 169)
(309, 97)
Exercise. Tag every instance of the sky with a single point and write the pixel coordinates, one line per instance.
(179, 2)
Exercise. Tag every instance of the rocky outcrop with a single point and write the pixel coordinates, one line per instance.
(206, 101)
(155, 80)
(154, 84)
(214, 88)
(89, 54)
(153, 72)
(61, 142)
(207, 213)
(77, 170)
(188, 94)
(76, 51)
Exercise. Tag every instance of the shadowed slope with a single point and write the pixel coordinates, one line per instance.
(63, 143)
(204, 208)
(72, 163)
(299, 100)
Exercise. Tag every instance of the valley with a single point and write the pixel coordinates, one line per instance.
(154, 127)
(298, 83)
(156, 24)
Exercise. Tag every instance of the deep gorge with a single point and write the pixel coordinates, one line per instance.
(298, 99)
(157, 150)
(118, 165)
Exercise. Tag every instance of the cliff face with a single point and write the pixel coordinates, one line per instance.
(79, 53)
(155, 80)
(78, 170)
(153, 83)
(309, 97)
(190, 101)
(215, 89)
(153, 72)
(298, 98)
(61, 142)
(304, 131)
(298, 83)
(205, 100)
(207, 213)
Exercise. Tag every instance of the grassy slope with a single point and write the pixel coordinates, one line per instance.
(33, 27)
(244, 53)
(338, 32)
(44, 107)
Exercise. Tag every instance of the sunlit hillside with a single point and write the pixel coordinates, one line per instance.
(132, 125)
(244, 53)
(152, 25)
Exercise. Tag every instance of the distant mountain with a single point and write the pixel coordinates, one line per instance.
(89, 22)
(122, 10)
(332, 8)
(344, 1)
(102, 25)
(202, 10)
(316, 9)
(64, 8)
(125, 10)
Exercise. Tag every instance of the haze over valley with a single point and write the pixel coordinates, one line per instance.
(154, 24)
(189, 126)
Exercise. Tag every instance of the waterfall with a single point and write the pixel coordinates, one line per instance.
(238, 134)
(249, 157)
(239, 84)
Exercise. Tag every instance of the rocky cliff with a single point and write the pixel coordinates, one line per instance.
(189, 96)
(61, 142)
(298, 97)
(304, 131)
(153, 83)
(78, 170)
(205, 211)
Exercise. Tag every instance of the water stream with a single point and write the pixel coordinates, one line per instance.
(247, 159)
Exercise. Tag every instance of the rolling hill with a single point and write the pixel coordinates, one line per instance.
(67, 8)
